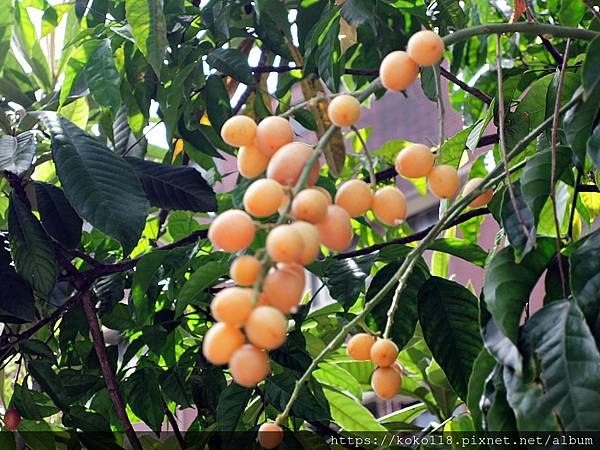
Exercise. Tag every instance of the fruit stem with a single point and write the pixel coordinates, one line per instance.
(441, 109)
(368, 157)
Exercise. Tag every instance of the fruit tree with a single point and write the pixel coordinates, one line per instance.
(205, 246)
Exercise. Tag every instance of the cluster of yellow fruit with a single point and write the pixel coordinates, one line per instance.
(387, 377)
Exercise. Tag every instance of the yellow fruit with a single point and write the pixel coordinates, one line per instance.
(389, 205)
(220, 341)
(284, 244)
(249, 365)
(311, 241)
(251, 162)
(283, 289)
(310, 205)
(414, 161)
(232, 306)
(425, 47)
(443, 181)
(398, 71)
(344, 110)
(232, 231)
(355, 197)
(481, 200)
(386, 382)
(266, 327)
(336, 229)
(263, 197)
(270, 435)
(239, 131)
(359, 346)
(244, 270)
(287, 164)
(273, 133)
(384, 352)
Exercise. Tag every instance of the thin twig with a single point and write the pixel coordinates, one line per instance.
(440, 103)
(574, 204)
(553, 174)
(592, 8)
(370, 165)
(465, 87)
(173, 421)
(502, 145)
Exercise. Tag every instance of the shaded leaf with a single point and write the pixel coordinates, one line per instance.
(103, 79)
(345, 278)
(518, 222)
(16, 296)
(16, 153)
(142, 393)
(461, 248)
(579, 121)
(590, 74)
(482, 368)
(278, 389)
(217, 102)
(58, 217)
(350, 414)
(231, 406)
(232, 62)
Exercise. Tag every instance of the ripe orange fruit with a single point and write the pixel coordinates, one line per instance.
(283, 289)
(266, 327)
(220, 341)
(232, 231)
(12, 419)
(384, 352)
(244, 270)
(425, 47)
(249, 365)
(398, 71)
(325, 193)
(414, 161)
(295, 268)
(284, 244)
(481, 200)
(232, 306)
(273, 133)
(344, 110)
(389, 205)
(311, 240)
(336, 229)
(263, 197)
(309, 205)
(359, 346)
(354, 196)
(443, 181)
(270, 435)
(287, 164)
(238, 131)
(251, 162)
(386, 382)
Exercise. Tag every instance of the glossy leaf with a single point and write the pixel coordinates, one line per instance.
(590, 74)
(58, 217)
(579, 121)
(278, 389)
(149, 29)
(482, 368)
(216, 97)
(448, 315)
(350, 414)
(231, 406)
(593, 147)
(461, 248)
(231, 62)
(345, 278)
(358, 12)
(16, 296)
(142, 393)
(6, 30)
(98, 184)
(518, 222)
(16, 153)
(103, 79)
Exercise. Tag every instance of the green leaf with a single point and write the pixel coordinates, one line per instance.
(590, 75)
(571, 12)
(149, 29)
(452, 149)
(36, 347)
(231, 406)
(482, 368)
(30, 247)
(518, 222)
(16, 153)
(142, 393)
(338, 378)
(216, 97)
(499, 415)
(480, 127)
(16, 296)
(359, 12)
(405, 415)
(232, 62)
(349, 413)
(203, 277)
(593, 147)
(328, 61)
(584, 280)
(278, 390)
(75, 66)
(103, 79)
(146, 269)
(173, 187)
(405, 318)
(58, 217)
(6, 30)
(428, 83)
(97, 183)
(535, 180)
(49, 381)
(579, 121)
(570, 363)
(498, 345)
(292, 354)
(448, 314)
(508, 285)
(461, 248)
(345, 278)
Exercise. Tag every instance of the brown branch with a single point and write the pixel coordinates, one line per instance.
(412, 237)
(594, 11)
(553, 171)
(109, 376)
(465, 87)
(173, 421)
(574, 204)
(589, 188)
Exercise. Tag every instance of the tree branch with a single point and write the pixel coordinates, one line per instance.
(591, 7)
(109, 376)
(173, 421)
(465, 87)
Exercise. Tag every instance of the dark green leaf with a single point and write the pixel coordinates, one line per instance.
(405, 318)
(231, 406)
(97, 183)
(146, 269)
(203, 277)
(461, 248)
(16, 153)
(508, 285)
(328, 60)
(174, 187)
(579, 122)
(16, 297)
(36, 347)
(58, 217)
(359, 12)
(49, 381)
(428, 83)
(292, 354)
(452, 149)
(571, 12)
(499, 415)
(570, 363)
(590, 74)
(103, 79)
(32, 251)
(232, 62)
(345, 278)
(448, 314)
(278, 390)
(501, 347)
(518, 222)
(593, 147)
(217, 102)
(482, 367)
(142, 393)
(149, 29)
